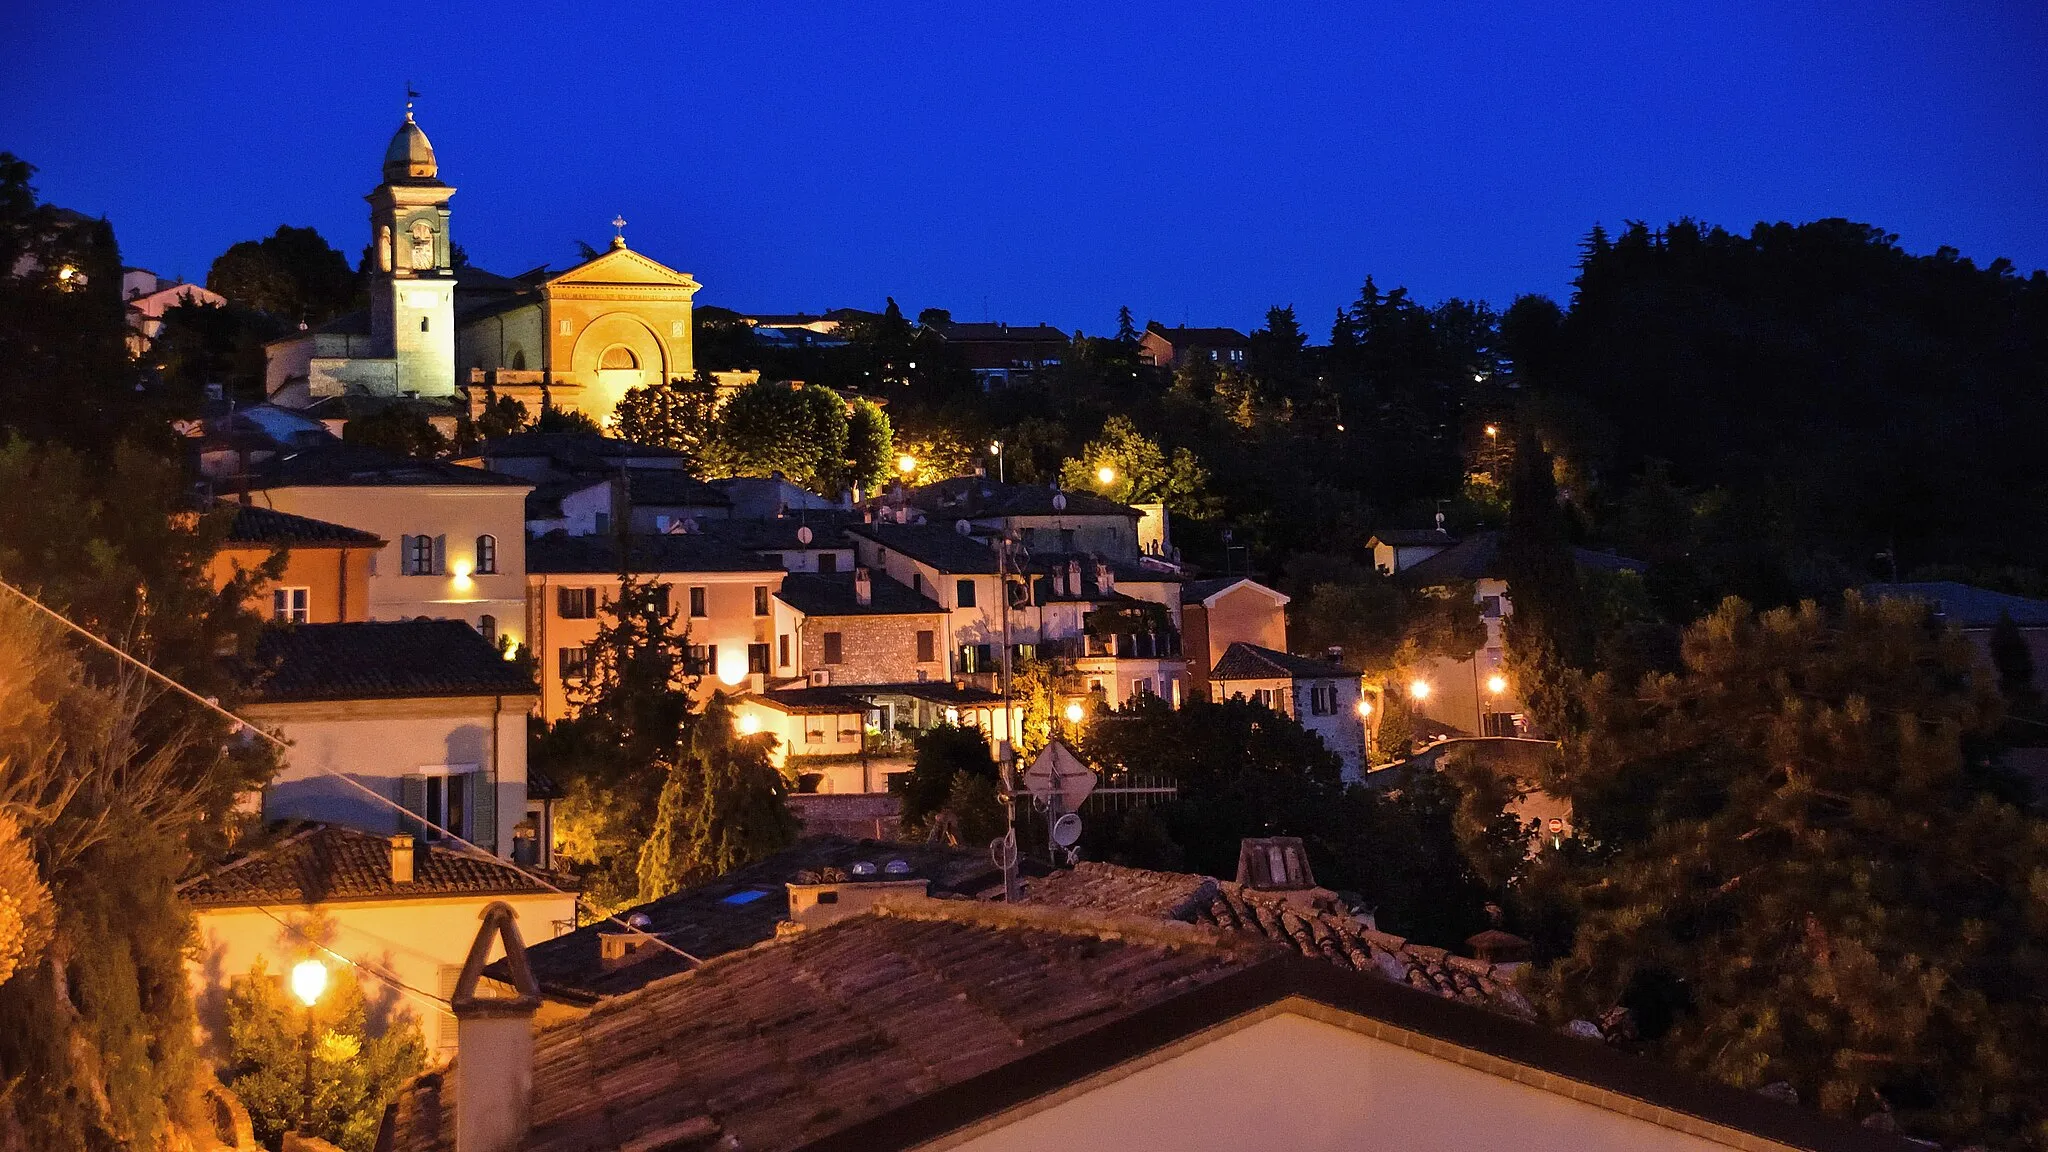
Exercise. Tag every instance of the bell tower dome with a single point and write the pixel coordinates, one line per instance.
(412, 287)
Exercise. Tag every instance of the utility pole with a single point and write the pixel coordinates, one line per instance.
(1007, 748)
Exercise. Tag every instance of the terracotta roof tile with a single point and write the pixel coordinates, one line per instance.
(380, 660)
(254, 524)
(323, 863)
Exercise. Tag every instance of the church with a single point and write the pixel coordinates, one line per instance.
(443, 334)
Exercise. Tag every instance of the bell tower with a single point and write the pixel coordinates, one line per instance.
(412, 285)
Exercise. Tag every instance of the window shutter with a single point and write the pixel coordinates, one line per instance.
(440, 554)
(562, 603)
(412, 796)
(483, 811)
(405, 555)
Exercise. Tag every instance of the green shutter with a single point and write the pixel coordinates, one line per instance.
(412, 795)
(483, 811)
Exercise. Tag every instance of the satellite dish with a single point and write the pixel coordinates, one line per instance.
(1066, 831)
(963, 527)
(803, 534)
(898, 867)
(1059, 501)
(639, 920)
(863, 868)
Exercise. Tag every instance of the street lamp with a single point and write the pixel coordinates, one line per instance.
(1496, 684)
(1419, 689)
(1364, 708)
(1105, 475)
(309, 980)
(1074, 712)
(906, 464)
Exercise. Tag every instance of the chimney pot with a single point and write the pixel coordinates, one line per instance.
(494, 1042)
(401, 858)
(863, 587)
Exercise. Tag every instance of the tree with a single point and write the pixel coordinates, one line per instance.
(557, 419)
(1793, 871)
(944, 752)
(940, 455)
(798, 430)
(1141, 472)
(613, 756)
(1549, 636)
(398, 429)
(1126, 327)
(870, 444)
(355, 1073)
(293, 274)
(677, 414)
(498, 416)
(723, 806)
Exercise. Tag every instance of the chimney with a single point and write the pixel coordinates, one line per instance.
(863, 587)
(494, 1042)
(1105, 580)
(1073, 577)
(401, 858)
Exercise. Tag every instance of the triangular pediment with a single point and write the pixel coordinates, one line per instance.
(622, 266)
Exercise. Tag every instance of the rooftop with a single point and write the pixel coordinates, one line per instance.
(779, 534)
(736, 911)
(1196, 591)
(325, 863)
(976, 497)
(1966, 605)
(562, 554)
(1477, 557)
(1413, 537)
(1006, 333)
(833, 700)
(573, 449)
(352, 465)
(382, 660)
(940, 545)
(1242, 661)
(1199, 337)
(831, 594)
(258, 526)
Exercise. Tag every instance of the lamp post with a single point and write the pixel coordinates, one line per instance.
(309, 980)
(996, 447)
(1493, 453)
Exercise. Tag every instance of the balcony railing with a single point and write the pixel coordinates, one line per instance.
(1136, 645)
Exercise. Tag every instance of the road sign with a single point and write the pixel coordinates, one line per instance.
(1058, 773)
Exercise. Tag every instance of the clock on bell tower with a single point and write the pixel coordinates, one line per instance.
(412, 289)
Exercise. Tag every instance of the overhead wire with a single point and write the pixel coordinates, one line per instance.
(379, 797)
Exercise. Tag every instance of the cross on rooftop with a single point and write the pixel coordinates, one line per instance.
(619, 224)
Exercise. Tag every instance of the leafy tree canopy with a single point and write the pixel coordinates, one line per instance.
(292, 274)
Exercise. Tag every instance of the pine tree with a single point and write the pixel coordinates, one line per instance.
(1549, 639)
(722, 806)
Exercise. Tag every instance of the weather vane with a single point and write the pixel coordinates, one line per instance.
(410, 96)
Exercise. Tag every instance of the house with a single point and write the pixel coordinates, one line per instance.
(767, 497)
(1164, 347)
(739, 910)
(1397, 549)
(1041, 518)
(455, 537)
(397, 912)
(952, 1024)
(1322, 695)
(425, 714)
(148, 296)
(326, 572)
(1000, 355)
(1975, 613)
(857, 628)
(583, 482)
(723, 596)
(1218, 612)
(807, 540)
(1474, 695)
(849, 740)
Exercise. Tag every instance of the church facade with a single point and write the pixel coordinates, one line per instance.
(447, 335)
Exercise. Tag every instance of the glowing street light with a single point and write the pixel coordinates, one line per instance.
(309, 980)
(1419, 689)
(1105, 475)
(1496, 683)
(906, 464)
(1493, 430)
(1074, 712)
(749, 724)
(1364, 708)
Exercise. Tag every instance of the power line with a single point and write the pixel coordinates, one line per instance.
(372, 793)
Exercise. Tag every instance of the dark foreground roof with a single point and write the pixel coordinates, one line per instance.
(559, 553)
(383, 660)
(892, 1029)
(258, 526)
(838, 700)
(831, 594)
(1966, 605)
(352, 465)
(1242, 661)
(708, 921)
(1478, 558)
(324, 863)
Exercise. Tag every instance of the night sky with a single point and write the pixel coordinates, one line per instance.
(1046, 162)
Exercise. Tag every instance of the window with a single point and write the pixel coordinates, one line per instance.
(1322, 698)
(828, 561)
(572, 662)
(290, 605)
(782, 650)
(927, 647)
(1066, 539)
(486, 554)
(457, 798)
(834, 649)
(488, 626)
(760, 599)
(917, 583)
(775, 559)
(813, 735)
(963, 594)
(1489, 607)
(417, 555)
(702, 660)
(423, 323)
(604, 523)
(698, 598)
(1263, 697)
(576, 603)
(757, 658)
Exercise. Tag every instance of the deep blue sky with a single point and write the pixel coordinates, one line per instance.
(1053, 161)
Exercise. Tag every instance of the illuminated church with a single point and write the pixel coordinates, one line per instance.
(433, 330)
